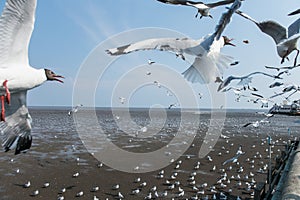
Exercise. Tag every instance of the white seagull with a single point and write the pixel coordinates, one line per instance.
(16, 75)
(202, 8)
(244, 79)
(235, 158)
(285, 38)
(209, 62)
(75, 109)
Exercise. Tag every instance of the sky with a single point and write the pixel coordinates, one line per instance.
(70, 34)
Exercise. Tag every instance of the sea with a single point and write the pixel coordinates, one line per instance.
(64, 144)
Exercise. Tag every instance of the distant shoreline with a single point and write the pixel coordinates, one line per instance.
(144, 108)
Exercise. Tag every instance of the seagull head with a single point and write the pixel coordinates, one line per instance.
(227, 41)
(51, 76)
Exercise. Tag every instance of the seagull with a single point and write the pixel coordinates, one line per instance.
(245, 80)
(208, 63)
(172, 105)
(235, 158)
(263, 100)
(47, 184)
(202, 8)
(16, 75)
(279, 68)
(285, 38)
(27, 185)
(276, 84)
(150, 62)
(75, 109)
(35, 193)
(294, 12)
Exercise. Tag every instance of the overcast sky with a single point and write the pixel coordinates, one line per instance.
(68, 32)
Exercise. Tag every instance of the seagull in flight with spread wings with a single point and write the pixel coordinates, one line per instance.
(209, 61)
(285, 38)
(236, 157)
(202, 8)
(16, 75)
(244, 79)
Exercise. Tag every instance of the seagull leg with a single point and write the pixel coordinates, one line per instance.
(295, 62)
(6, 91)
(2, 108)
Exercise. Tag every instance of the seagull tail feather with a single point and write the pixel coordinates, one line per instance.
(15, 132)
(15, 138)
(194, 76)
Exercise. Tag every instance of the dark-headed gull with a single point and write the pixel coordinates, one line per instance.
(16, 75)
(209, 62)
(285, 38)
(202, 8)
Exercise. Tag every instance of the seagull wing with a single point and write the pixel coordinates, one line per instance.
(178, 2)
(229, 160)
(248, 124)
(258, 95)
(294, 12)
(226, 82)
(294, 28)
(16, 26)
(219, 3)
(271, 28)
(201, 71)
(270, 67)
(225, 19)
(207, 67)
(15, 132)
(276, 95)
(164, 44)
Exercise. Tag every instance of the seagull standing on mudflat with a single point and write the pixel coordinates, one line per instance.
(209, 62)
(202, 8)
(16, 75)
(285, 38)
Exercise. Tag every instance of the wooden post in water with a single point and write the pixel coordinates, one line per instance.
(270, 163)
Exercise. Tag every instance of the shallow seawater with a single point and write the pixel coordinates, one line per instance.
(60, 144)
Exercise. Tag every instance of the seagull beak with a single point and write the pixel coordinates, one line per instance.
(228, 42)
(56, 78)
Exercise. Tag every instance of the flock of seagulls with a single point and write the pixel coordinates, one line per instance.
(230, 169)
(209, 62)
(17, 76)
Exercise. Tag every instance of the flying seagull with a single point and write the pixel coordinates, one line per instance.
(280, 68)
(235, 158)
(276, 84)
(202, 8)
(74, 109)
(285, 38)
(256, 124)
(16, 75)
(263, 100)
(208, 63)
(245, 79)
